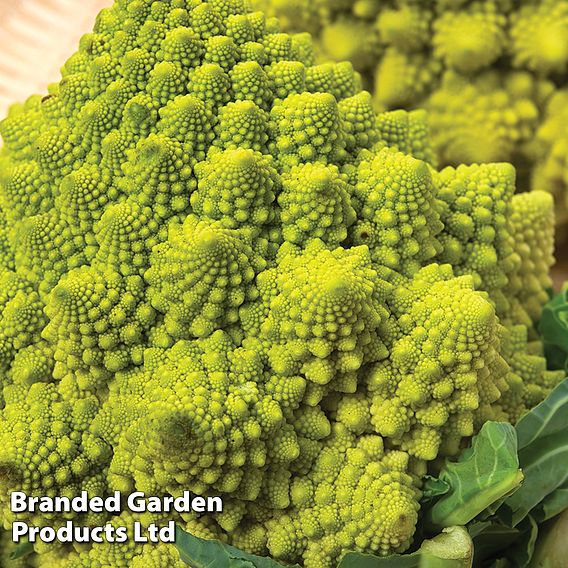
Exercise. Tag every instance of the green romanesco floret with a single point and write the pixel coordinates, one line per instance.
(538, 35)
(488, 72)
(531, 216)
(444, 346)
(222, 272)
(551, 148)
(398, 217)
(469, 39)
(503, 113)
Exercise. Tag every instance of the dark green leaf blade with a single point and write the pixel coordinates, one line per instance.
(483, 475)
(543, 453)
(522, 552)
(553, 329)
(490, 540)
(552, 504)
(548, 417)
(22, 550)
(433, 488)
(199, 553)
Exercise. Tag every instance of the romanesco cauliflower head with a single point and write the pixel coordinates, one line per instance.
(222, 272)
(491, 73)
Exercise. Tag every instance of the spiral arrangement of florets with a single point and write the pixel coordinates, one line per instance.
(489, 72)
(222, 272)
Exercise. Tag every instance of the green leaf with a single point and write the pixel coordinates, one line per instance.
(452, 548)
(521, 552)
(483, 474)
(22, 550)
(497, 544)
(433, 488)
(549, 417)
(199, 553)
(543, 453)
(490, 540)
(553, 328)
(552, 505)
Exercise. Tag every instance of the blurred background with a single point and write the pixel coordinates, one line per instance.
(37, 36)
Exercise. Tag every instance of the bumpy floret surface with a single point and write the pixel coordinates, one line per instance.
(221, 272)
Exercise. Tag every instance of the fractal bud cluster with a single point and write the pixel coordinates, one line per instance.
(492, 73)
(222, 272)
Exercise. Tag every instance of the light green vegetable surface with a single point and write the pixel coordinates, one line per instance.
(222, 272)
(492, 73)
